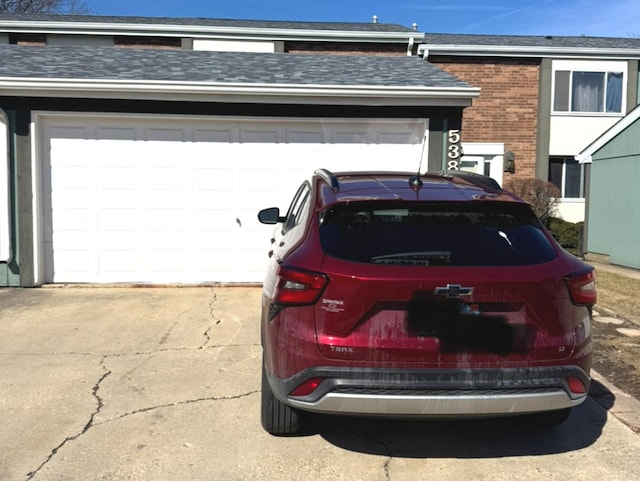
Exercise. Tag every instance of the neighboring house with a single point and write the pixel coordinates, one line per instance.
(140, 148)
(544, 98)
(612, 226)
(149, 165)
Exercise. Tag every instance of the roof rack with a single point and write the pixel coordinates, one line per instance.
(479, 180)
(330, 178)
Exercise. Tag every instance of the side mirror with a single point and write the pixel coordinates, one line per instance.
(270, 216)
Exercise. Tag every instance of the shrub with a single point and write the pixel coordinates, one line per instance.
(543, 196)
(566, 233)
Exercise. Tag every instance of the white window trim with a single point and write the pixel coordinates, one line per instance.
(5, 192)
(590, 66)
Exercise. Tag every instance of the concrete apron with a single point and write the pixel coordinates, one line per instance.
(164, 384)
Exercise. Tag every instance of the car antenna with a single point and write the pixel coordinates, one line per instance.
(415, 182)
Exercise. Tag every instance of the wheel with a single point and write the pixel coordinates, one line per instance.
(277, 418)
(547, 419)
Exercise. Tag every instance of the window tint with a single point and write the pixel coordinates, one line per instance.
(426, 234)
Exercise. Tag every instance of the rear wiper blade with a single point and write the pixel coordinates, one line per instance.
(414, 258)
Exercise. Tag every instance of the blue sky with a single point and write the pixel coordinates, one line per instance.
(611, 18)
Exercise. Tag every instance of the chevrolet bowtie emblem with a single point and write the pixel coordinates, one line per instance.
(453, 291)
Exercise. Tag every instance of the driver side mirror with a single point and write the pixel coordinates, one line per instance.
(270, 216)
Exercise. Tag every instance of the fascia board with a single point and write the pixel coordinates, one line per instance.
(136, 29)
(586, 156)
(510, 51)
(235, 92)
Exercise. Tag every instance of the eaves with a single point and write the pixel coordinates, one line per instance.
(427, 50)
(204, 31)
(239, 92)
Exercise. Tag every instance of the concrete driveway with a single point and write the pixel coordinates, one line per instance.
(164, 384)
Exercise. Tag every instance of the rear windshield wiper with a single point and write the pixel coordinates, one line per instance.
(426, 258)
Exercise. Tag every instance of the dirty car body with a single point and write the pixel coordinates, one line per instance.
(440, 295)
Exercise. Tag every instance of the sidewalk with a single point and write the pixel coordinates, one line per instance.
(622, 271)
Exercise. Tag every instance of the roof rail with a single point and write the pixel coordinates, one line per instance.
(480, 180)
(329, 177)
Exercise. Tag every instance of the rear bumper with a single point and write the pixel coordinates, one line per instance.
(435, 393)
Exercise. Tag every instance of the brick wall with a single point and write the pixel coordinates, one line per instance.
(347, 48)
(507, 108)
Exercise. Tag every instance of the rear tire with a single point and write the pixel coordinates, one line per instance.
(277, 418)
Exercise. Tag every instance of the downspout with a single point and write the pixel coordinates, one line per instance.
(410, 47)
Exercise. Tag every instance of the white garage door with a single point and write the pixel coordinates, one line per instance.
(174, 199)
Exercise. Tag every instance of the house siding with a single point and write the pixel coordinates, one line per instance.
(507, 109)
(614, 200)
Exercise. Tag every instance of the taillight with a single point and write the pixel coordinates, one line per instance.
(298, 287)
(582, 287)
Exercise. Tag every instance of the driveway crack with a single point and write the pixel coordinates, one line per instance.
(87, 426)
(387, 470)
(179, 403)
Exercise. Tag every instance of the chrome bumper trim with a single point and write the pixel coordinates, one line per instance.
(426, 406)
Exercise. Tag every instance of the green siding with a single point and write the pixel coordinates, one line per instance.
(614, 199)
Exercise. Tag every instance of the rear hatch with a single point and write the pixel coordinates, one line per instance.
(441, 284)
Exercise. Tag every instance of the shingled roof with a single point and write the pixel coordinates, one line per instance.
(31, 66)
(206, 22)
(527, 45)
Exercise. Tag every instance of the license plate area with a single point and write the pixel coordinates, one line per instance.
(468, 327)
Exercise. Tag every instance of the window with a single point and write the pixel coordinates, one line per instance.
(588, 91)
(297, 209)
(568, 176)
(434, 234)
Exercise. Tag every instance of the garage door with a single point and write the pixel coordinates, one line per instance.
(174, 199)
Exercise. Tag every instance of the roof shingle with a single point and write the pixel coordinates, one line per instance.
(110, 63)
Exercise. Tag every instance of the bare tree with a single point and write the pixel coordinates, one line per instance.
(543, 196)
(44, 6)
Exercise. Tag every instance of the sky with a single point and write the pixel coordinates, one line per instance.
(609, 18)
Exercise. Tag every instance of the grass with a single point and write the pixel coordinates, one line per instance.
(618, 294)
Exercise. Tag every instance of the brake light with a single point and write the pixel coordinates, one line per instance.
(299, 287)
(582, 287)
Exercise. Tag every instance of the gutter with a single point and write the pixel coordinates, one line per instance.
(198, 31)
(238, 92)
(426, 50)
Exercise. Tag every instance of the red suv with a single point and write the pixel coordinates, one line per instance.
(391, 294)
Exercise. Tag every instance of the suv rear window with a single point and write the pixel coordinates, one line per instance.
(486, 234)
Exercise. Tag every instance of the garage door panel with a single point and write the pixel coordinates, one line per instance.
(120, 178)
(78, 220)
(222, 135)
(170, 200)
(115, 261)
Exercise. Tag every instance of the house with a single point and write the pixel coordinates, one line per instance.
(544, 98)
(139, 149)
(612, 226)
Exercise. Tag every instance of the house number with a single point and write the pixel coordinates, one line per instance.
(454, 150)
